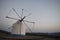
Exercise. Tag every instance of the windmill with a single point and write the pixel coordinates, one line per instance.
(18, 28)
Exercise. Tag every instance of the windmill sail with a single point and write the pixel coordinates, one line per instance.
(19, 28)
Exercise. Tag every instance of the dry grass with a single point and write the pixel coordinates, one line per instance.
(27, 38)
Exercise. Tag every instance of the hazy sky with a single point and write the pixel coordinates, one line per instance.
(46, 14)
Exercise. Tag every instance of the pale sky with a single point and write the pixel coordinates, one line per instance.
(45, 13)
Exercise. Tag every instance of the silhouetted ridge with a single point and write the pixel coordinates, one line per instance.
(2, 32)
(45, 34)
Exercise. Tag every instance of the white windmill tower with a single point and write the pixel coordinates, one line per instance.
(18, 29)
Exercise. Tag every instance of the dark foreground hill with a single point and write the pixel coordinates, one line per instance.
(4, 35)
(2, 32)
